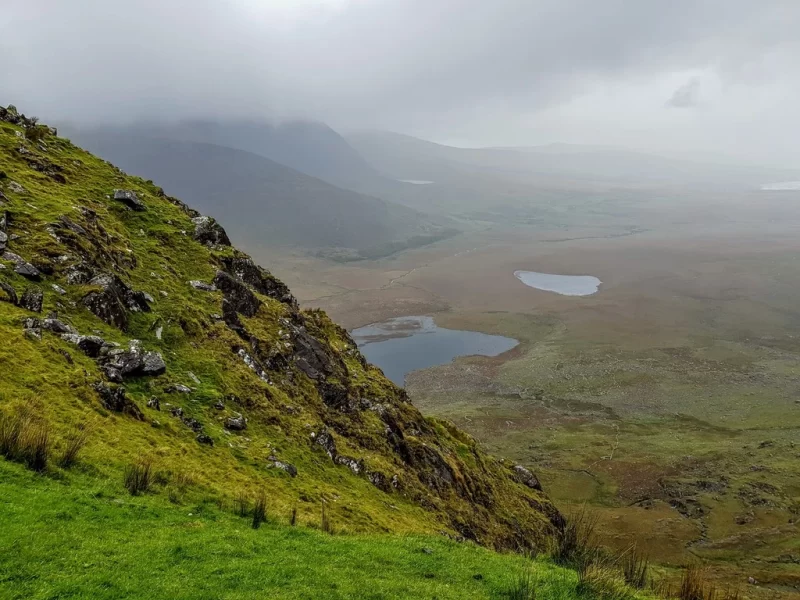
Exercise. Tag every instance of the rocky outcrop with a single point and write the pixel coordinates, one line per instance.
(11, 293)
(236, 422)
(525, 477)
(129, 199)
(32, 299)
(21, 266)
(207, 231)
(135, 361)
(114, 300)
(263, 282)
(114, 398)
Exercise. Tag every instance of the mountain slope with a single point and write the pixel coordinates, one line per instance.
(260, 201)
(306, 146)
(407, 157)
(126, 317)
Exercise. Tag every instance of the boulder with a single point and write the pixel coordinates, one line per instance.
(129, 199)
(10, 292)
(311, 356)
(244, 269)
(202, 286)
(205, 439)
(207, 231)
(32, 299)
(114, 398)
(237, 297)
(32, 328)
(154, 403)
(283, 466)
(3, 240)
(236, 422)
(54, 324)
(90, 345)
(113, 300)
(21, 266)
(79, 274)
(525, 477)
(181, 389)
(325, 440)
(134, 361)
(58, 289)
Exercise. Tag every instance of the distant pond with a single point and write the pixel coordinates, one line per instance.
(567, 285)
(405, 344)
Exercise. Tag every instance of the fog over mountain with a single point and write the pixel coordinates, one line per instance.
(684, 78)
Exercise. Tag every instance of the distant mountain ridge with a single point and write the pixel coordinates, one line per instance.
(261, 201)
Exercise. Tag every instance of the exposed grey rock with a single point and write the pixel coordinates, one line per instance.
(32, 299)
(202, 286)
(114, 398)
(90, 345)
(208, 231)
(113, 301)
(112, 373)
(13, 186)
(525, 477)
(237, 298)
(311, 356)
(154, 403)
(10, 292)
(33, 333)
(134, 361)
(182, 389)
(236, 423)
(325, 440)
(58, 289)
(193, 424)
(254, 365)
(21, 266)
(193, 377)
(283, 466)
(54, 324)
(177, 412)
(153, 364)
(356, 466)
(79, 274)
(262, 281)
(129, 199)
(3, 240)
(204, 438)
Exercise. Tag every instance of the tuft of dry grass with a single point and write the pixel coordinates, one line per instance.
(260, 510)
(241, 504)
(75, 442)
(138, 476)
(25, 438)
(635, 568)
(575, 545)
(325, 521)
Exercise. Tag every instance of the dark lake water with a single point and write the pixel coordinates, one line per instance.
(405, 344)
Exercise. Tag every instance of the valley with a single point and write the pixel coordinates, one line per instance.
(668, 401)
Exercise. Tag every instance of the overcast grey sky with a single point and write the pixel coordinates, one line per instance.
(695, 76)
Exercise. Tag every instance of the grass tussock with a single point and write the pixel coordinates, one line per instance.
(25, 438)
(75, 442)
(575, 545)
(635, 568)
(603, 582)
(325, 521)
(260, 510)
(241, 504)
(523, 586)
(293, 519)
(138, 476)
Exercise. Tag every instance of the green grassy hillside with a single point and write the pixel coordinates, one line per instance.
(129, 321)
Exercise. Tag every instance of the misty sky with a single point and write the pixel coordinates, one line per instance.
(677, 76)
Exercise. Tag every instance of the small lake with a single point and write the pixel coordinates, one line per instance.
(567, 285)
(405, 344)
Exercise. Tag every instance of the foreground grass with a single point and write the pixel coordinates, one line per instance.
(70, 535)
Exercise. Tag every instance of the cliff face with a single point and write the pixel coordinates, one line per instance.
(128, 315)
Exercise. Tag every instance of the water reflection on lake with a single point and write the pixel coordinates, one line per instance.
(568, 285)
(405, 344)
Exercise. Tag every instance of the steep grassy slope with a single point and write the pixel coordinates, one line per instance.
(146, 547)
(230, 390)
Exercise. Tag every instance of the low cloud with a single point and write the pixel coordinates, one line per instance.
(686, 96)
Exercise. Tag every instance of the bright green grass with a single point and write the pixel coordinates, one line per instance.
(75, 536)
